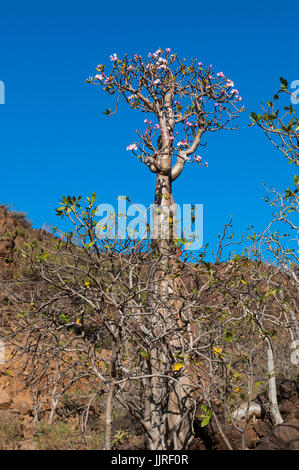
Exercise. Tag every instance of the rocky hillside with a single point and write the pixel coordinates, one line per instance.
(15, 228)
(24, 421)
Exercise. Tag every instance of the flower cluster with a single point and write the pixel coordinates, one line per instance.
(182, 143)
(132, 147)
(191, 124)
(113, 57)
(99, 76)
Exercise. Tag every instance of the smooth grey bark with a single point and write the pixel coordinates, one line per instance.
(274, 409)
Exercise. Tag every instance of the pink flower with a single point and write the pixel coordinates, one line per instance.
(197, 158)
(199, 64)
(234, 91)
(210, 66)
(220, 74)
(99, 77)
(156, 126)
(168, 50)
(157, 53)
(182, 143)
(146, 121)
(229, 83)
(156, 82)
(113, 57)
(216, 104)
(171, 137)
(132, 147)
(161, 60)
(163, 67)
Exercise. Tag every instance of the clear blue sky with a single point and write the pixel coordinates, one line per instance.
(55, 139)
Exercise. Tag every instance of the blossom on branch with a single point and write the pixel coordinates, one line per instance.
(113, 57)
(132, 147)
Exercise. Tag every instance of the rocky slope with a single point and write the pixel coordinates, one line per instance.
(18, 426)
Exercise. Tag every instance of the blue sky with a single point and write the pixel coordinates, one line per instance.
(54, 138)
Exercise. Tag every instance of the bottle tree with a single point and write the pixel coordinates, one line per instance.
(182, 103)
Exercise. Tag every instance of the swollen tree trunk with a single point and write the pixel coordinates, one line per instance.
(171, 403)
(163, 202)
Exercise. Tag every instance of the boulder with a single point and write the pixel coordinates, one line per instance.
(5, 400)
(283, 437)
(28, 445)
(23, 407)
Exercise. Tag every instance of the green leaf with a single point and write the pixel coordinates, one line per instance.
(205, 421)
(42, 257)
(229, 337)
(93, 198)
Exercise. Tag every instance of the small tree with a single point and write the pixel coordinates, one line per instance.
(280, 249)
(281, 126)
(185, 102)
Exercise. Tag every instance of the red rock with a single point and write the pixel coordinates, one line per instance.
(5, 400)
(23, 407)
(28, 445)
